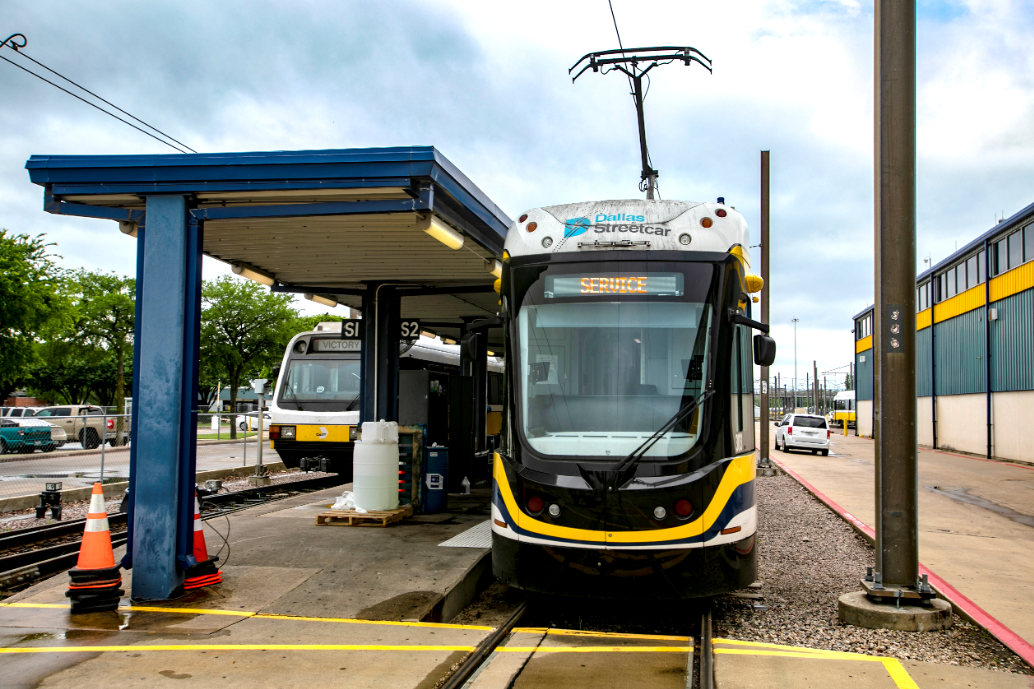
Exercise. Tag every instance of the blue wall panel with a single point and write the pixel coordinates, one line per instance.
(959, 352)
(1012, 343)
(923, 363)
(863, 371)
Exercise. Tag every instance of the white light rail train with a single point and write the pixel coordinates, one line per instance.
(627, 463)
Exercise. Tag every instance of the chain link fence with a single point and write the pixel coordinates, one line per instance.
(78, 451)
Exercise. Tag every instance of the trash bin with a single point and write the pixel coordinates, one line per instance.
(436, 478)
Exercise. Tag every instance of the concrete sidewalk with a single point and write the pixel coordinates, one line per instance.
(976, 519)
(301, 606)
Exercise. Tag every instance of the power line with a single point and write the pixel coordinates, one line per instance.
(109, 102)
(11, 44)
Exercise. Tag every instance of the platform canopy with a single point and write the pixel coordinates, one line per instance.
(330, 222)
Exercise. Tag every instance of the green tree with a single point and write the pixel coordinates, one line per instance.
(105, 313)
(244, 329)
(30, 305)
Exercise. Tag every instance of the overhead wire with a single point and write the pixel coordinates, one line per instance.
(94, 105)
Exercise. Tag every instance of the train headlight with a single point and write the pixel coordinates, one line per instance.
(659, 512)
(353, 433)
(554, 510)
(287, 432)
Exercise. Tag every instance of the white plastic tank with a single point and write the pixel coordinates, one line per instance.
(376, 466)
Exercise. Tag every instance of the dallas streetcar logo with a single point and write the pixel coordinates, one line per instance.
(575, 226)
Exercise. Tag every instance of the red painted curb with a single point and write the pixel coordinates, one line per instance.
(968, 608)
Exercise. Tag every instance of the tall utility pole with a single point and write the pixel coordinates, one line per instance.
(764, 303)
(627, 61)
(897, 552)
(795, 322)
(815, 384)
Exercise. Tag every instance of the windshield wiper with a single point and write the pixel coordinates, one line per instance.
(640, 452)
(357, 395)
(287, 389)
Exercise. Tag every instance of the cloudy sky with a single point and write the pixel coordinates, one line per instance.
(487, 84)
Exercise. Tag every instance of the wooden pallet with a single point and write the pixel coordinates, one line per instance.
(371, 518)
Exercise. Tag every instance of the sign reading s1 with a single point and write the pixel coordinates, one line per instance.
(352, 329)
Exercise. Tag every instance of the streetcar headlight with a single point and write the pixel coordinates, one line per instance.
(287, 432)
(353, 433)
(554, 510)
(659, 512)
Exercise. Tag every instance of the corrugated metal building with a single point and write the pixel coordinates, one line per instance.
(967, 400)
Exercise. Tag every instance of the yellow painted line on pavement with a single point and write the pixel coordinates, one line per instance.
(348, 620)
(578, 632)
(594, 649)
(259, 615)
(893, 666)
(231, 647)
(762, 644)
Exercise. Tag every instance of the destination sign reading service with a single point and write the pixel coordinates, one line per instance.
(605, 284)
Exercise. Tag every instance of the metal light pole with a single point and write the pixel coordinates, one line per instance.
(795, 322)
(764, 460)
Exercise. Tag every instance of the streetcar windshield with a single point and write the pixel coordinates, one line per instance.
(320, 380)
(607, 359)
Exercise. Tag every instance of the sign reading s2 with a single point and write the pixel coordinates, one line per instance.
(409, 329)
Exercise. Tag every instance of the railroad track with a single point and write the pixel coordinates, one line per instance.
(28, 555)
(700, 667)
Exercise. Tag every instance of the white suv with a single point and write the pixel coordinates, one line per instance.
(803, 432)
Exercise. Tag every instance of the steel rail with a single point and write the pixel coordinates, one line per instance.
(480, 654)
(703, 652)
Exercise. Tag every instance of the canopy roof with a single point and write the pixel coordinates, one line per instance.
(328, 222)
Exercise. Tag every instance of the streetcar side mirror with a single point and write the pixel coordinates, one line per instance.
(764, 350)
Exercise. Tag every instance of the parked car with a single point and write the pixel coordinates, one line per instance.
(18, 439)
(803, 432)
(58, 437)
(85, 424)
(248, 422)
(18, 412)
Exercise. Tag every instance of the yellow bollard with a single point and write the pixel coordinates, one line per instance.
(845, 426)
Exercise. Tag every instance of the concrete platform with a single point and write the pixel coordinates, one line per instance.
(741, 665)
(982, 547)
(300, 605)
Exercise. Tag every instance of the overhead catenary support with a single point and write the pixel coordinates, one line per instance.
(765, 290)
(897, 553)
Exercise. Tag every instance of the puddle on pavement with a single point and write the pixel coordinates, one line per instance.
(962, 495)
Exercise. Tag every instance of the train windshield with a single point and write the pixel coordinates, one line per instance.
(610, 353)
(318, 380)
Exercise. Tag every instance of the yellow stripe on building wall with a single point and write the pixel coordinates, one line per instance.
(1013, 282)
(923, 319)
(964, 302)
(863, 344)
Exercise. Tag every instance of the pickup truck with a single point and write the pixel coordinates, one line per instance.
(87, 425)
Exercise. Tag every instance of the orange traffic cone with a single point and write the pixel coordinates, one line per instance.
(204, 573)
(95, 578)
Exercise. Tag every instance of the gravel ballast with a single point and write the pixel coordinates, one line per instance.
(807, 558)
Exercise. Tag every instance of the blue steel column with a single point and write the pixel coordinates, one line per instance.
(141, 233)
(158, 405)
(367, 357)
(191, 363)
(387, 310)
